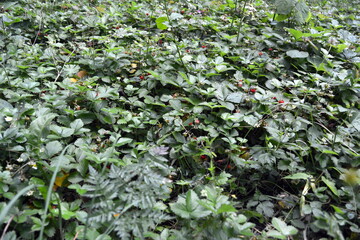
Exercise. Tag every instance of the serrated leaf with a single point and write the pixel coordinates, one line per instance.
(266, 208)
(297, 54)
(282, 227)
(235, 97)
(77, 124)
(189, 207)
(53, 148)
(251, 120)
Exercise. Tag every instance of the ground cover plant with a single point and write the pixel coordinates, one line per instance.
(224, 119)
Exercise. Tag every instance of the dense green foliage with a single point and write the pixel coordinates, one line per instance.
(179, 119)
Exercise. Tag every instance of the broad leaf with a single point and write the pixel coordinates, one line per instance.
(160, 23)
(297, 54)
(331, 185)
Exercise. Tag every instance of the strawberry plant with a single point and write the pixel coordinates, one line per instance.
(221, 119)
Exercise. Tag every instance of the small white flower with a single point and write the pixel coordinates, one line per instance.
(30, 193)
(32, 164)
(20, 159)
(8, 119)
(9, 167)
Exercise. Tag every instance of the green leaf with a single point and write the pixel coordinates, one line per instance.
(77, 124)
(226, 208)
(160, 23)
(297, 54)
(53, 148)
(296, 33)
(298, 176)
(302, 12)
(39, 124)
(275, 234)
(284, 6)
(331, 185)
(122, 141)
(330, 152)
(235, 97)
(283, 228)
(189, 207)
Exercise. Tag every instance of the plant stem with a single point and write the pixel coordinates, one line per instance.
(173, 35)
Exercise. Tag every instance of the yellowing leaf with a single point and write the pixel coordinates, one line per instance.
(100, 9)
(351, 177)
(134, 65)
(59, 180)
(73, 80)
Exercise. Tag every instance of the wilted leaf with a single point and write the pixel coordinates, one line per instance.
(82, 74)
(60, 179)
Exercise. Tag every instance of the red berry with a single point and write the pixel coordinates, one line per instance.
(270, 49)
(117, 27)
(190, 123)
(148, 74)
(253, 90)
(203, 156)
(281, 101)
(260, 53)
(274, 98)
(197, 121)
(187, 50)
(142, 77)
(147, 14)
(182, 12)
(203, 46)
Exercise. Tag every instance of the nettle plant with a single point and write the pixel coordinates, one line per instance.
(173, 120)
